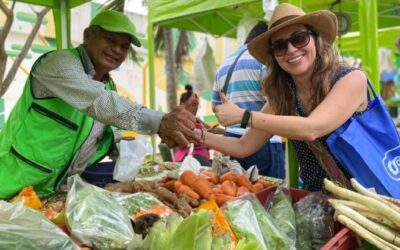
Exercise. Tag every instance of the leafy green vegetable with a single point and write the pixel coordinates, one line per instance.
(192, 233)
(282, 212)
(252, 222)
(133, 203)
(96, 218)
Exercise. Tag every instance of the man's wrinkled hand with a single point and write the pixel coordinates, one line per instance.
(176, 128)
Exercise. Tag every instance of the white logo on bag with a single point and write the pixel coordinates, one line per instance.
(391, 161)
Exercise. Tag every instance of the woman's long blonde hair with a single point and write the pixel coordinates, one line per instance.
(276, 83)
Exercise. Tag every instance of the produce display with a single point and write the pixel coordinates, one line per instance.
(375, 218)
(214, 208)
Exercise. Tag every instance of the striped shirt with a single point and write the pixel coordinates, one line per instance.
(244, 87)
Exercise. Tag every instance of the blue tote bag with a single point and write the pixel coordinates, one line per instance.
(368, 146)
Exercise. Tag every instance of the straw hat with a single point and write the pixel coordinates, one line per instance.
(323, 22)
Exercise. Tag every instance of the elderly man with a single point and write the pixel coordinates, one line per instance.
(62, 122)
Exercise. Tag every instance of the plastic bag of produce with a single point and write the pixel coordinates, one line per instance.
(314, 216)
(279, 205)
(141, 203)
(131, 157)
(24, 228)
(96, 218)
(253, 223)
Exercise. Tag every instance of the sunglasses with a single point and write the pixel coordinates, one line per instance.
(298, 40)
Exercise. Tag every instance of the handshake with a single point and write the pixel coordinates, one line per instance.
(177, 128)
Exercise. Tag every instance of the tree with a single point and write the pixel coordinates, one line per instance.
(6, 79)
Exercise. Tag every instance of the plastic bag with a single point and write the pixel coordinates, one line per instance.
(251, 221)
(131, 157)
(141, 203)
(268, 7)
(223, 164)
(204, 68)
(24, 228)
(244, 27)
(314, 216)
(190, 163)
(279, 205)
(96, 218)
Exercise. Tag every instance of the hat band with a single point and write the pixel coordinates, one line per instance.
(282, 20)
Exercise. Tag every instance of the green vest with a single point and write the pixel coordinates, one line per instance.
(40, 141)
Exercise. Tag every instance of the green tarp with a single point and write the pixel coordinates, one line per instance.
(55, 3)
(217, 17)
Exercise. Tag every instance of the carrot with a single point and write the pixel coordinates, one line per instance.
(186, 190)
(222, 198)
(177, 185)
(161, 210)
(211, 197)
(258, 187)
(230, 176)
(242, 190)
(229, 188)
(169, 185)
(187, 178)
(264, 182)
(217, 190)
(202, 187)
(211, 176)
(243, 181)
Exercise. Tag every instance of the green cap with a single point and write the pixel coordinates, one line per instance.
(115, 21)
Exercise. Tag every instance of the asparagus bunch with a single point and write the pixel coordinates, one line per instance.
(374, 217)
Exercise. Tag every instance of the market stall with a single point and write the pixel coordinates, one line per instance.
(171, 206)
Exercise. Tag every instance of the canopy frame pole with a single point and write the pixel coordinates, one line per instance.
(369, 40)
(61, 16)
(150, 50)
(197, 25)
(292, 165)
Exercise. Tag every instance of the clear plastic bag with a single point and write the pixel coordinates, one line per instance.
(314, 216)
(279, 205)
(190, 163)
(131, 157)
(141, 203)
(24, 228)
(251, 221)
(96, 218)
(268, 7)
(244, 26)
(204, 66)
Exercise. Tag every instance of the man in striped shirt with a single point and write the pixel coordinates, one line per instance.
(244, 89)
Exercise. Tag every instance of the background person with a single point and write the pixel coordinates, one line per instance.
(190, 101)
(244, 90)
(310, 93)
(61, 123)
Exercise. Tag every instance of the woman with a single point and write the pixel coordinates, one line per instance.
(310, 94)
(190, 101)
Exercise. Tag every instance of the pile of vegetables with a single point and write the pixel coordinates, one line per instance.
(209, 186)
(374, 217)
(182, 204)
